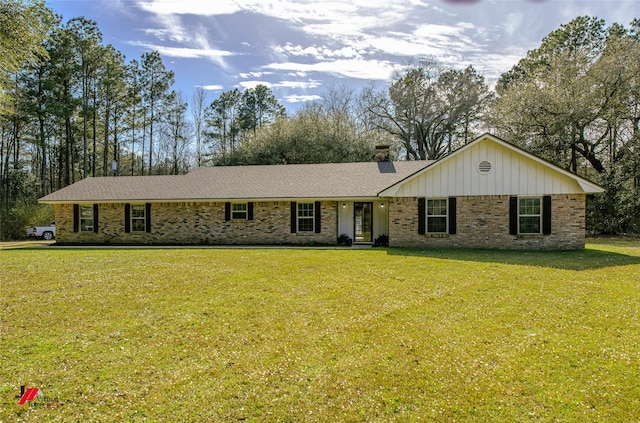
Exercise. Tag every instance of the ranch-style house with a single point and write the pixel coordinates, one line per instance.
(486, 194)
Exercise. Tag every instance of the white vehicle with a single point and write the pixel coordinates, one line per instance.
(44, 232)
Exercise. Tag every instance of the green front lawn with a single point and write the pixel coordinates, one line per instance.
(321, 335)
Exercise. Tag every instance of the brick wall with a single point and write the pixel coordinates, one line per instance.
(199, 223)
(483, 222)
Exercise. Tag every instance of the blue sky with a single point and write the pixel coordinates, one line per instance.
(300, 47)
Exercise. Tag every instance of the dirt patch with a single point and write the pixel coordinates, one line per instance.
(24, 244)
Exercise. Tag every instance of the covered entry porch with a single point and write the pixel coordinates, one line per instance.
(363, 221)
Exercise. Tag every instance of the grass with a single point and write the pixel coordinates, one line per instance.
(321, 335)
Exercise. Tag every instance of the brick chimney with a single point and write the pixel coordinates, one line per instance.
(382, 153)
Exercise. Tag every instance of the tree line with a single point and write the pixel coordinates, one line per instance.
(73, 108)
(575, 101)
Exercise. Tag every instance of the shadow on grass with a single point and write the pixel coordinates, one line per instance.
(589, 258)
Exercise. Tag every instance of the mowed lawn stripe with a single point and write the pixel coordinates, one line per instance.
(321, 335)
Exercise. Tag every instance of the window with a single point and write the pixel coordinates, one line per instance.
(305, 217)
(138, 218)
(529, 215)
(86, 218)
(239, 211)
(437, 215)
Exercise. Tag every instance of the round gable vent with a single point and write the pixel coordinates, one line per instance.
(484, 167)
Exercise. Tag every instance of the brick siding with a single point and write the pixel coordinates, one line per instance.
(199, 223)
(483, 222)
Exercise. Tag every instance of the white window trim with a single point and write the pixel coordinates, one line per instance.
(245, 211)
(143, 218)
(539, 215)
(87, 228)
(427, 216)
(312, 218)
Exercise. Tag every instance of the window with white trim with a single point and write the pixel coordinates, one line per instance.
(239, 211)
(529, 215)
(138, 218)
(305, 217)
(437, 215)
(86, 218)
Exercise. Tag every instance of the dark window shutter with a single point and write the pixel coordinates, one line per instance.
(452, 216)
(95, 218)
(227, 211)
(546, 215)
(294, 216)
(147, 215)
(422, 218)
(317, 216)
(127, 218)
(513, 215)
(250, 210)
(76, 218)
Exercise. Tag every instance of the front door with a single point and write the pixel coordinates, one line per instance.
(363, 222)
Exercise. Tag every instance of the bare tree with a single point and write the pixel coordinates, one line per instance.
(198, 105)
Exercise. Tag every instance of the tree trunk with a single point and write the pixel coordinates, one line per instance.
(43, 146)
(105, 153)
(115, 141)
(68, 150)
(95, 132)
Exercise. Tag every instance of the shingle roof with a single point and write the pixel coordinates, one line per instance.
(329, 180)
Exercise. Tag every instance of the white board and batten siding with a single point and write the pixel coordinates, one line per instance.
(512, 172)
(345, 218)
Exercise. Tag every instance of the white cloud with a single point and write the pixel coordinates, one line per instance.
(319, 9)
(341, 27)
(320, 17)
(195, 7)
(317, 52)
(281, 84)
(348, 37)
(493, 65)
(353, 39)
(185, 52)
(409, 47)
(253, 74)
(213, 87)
(301, 98)
(161, 34)
(296, 50)
(441, 32)
(298, 84)
(363, 36)
(172, 29)
(344, 52)
(359, 69)
(301, 45)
